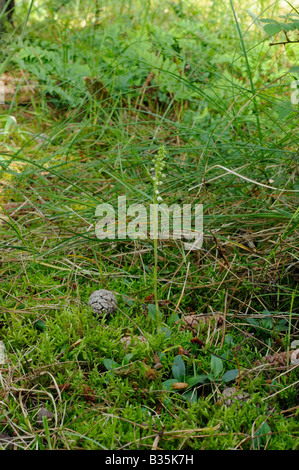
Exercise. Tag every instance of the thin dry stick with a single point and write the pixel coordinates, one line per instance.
(180, 433)
(279, 391)
(289, 368)
(289, 409)
(228, 170)
(283, 42)
(247, 438)
(183, 432)
(71, 347)
(156, 442)
(39, 391)
(148, 80)
(24, 411)
(55, 383)
(183, 289)
(174, 276)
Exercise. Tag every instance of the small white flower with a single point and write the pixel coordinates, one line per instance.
(159, 199)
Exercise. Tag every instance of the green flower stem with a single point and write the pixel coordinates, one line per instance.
(156, 273)
(159, 164)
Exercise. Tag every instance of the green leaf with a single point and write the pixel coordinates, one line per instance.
(230, 375)
(191, 396)
(197, 379)
(294, 69)
(216, 365)
(153, 313)
(39, 442)
(127, 359)
(284, 109)
(267, 320)
(253, 322)
(272, 29)
(178, 368)
(40, 325)
(166, 331)
(110, 364)
(268, 20)
(281, 326)
(229, 340)
(288, 26)
(210, 377)
(65, 349)
(261, 435)
(129, 302)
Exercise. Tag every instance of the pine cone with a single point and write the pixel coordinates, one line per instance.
(102, 302)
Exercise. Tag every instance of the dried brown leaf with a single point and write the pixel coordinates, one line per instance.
(44, 412)
(197, 341)
(193, 322)
(89, 394)
(158, 364)
(150, 374)
(183, 352)
(180, 385)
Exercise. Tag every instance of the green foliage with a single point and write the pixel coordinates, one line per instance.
(58, 76)
(290, 23)
(260, 436)
(216, 366)
(109, 89)
(178, 368)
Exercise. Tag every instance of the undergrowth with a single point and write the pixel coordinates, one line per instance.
(91, 94)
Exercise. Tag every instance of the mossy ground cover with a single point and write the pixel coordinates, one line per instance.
(94, 95)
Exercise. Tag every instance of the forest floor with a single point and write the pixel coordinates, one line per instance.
(88, 105)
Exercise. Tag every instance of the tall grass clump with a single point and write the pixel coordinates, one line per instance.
(202, 351)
